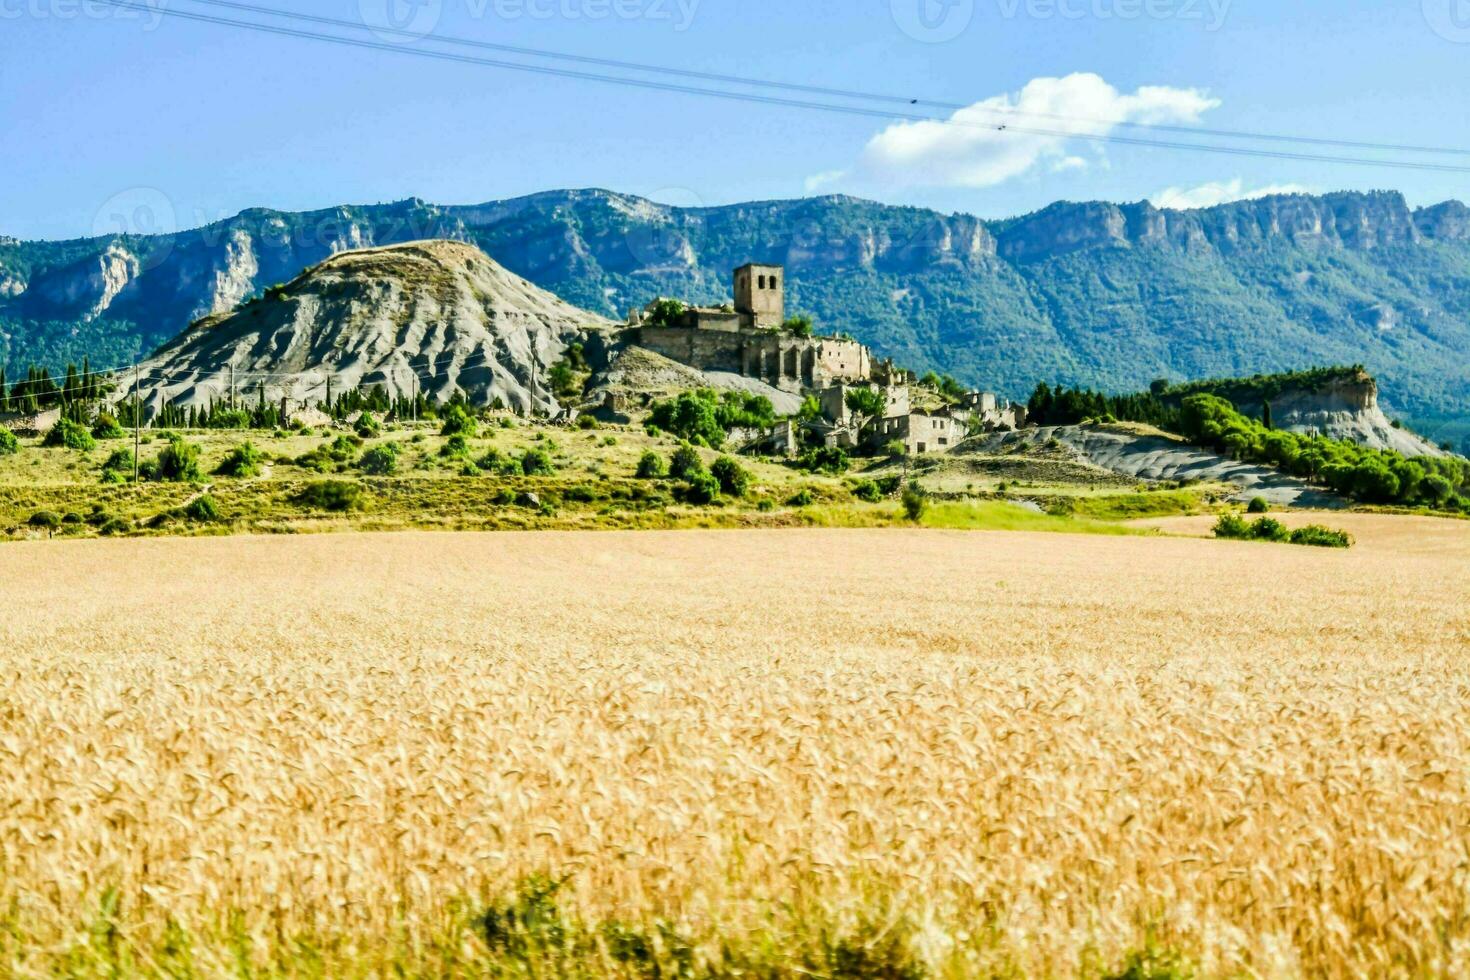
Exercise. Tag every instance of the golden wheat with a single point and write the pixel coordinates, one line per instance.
(1043, 751)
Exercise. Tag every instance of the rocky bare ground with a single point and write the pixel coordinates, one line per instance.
(1156, 457)
(431, 316)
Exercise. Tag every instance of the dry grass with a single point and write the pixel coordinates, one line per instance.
(1004, 753)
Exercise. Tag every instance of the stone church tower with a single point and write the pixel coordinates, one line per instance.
(760, 295)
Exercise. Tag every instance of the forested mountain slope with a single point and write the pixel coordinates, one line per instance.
(1104, 295)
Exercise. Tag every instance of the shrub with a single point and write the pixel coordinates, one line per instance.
(1231, 526)
(826, 459)
(733, 478)
(242, 462)
(70, 435)
(802, 498)
(914, 502)
(895, 448)
(332, 456)
(1317, 536)
(332, 495)
(455, 445)
(204, 509)
(652, 466)
(1269, 529)
(106, 427)
(685, 462)
(457, 422)
(702, 488)
(178, 461)
(536, 462)
(380, 460)
(1258, 505)
(46, 520)
(114, 525)
(587, 422)
(867, 490)
(9, 444)
(368, 426)
(119, 467)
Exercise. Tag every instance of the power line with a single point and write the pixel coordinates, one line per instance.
(787, 102)
(856, 94)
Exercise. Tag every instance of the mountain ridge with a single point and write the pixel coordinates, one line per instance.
(1097, 293)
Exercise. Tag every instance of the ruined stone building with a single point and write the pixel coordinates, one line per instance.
(747, 339)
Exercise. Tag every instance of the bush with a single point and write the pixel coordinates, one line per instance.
(106, 427)
(652, 466)
(733, 479)
(587, 422)
(455, 445)
(114, 525)
(685, 462)
(119, 467)
(9, 444)
(1258, 505)
(332, 495)
(1269, 529)
(914, 502)
(330, 457)
(368, 426)
(380, 460)
(827, 459)
(802, 498)
(702, 488)
(229, 418)
(70, 435)
(867, 491)
(457, 422)
(1231, 526)
(1317, 536)
(178, 462)
(204, 509)
(242, 462)
(537, 462)
(47, 520)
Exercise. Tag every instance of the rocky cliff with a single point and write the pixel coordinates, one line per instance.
(430, 316)
(1100, 294)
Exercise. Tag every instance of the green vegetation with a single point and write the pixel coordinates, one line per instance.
(1369, 475)
(824, 459)
(798, 326)
(71, 435)
(380, 460)
(664, 313)
(337, 496)
(244, 461)
(458, 422)
(731, 477)
(178, 461)
(9, 444)
(914, 502)
(1270, 529)
(652, 466)
(106, 427)
(705, 417)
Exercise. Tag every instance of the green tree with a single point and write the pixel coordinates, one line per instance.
(733, 478)
(914, 502)
(458, 422)
(685, 462)
(178, 461)
(664, 313)
(380, 460)
(652, 466)
(71, 435)
(798, 326)
(9, 444)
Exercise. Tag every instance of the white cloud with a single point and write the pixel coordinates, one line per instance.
(826, 178)
(1219, 192)
(1009, 135)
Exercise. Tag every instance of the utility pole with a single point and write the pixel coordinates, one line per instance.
(232, 387)
(137, 443)
(415, 387)
(535, 360)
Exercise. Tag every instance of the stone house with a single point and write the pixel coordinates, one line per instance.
(919, 431)
(746, 339)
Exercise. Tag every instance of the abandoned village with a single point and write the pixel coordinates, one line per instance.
(754, 339)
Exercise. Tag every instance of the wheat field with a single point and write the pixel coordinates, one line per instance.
(813, 753)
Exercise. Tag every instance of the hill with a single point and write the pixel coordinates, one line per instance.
(1100, 294)
(429, 317)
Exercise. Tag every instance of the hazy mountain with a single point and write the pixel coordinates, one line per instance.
(1099, 294)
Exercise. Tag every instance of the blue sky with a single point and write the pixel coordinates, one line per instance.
(201, 121)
